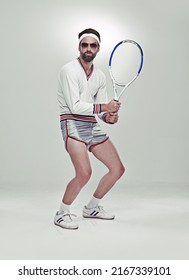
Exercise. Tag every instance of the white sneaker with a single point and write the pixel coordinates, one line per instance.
(64, 220)
(97, 212)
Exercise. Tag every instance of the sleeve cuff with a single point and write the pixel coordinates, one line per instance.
(97, 108)
(104, 117)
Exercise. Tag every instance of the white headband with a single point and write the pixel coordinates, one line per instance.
(90, 35)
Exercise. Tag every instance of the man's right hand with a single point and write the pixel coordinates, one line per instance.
(113, 106)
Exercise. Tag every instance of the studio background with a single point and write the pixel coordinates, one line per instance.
(37, 38)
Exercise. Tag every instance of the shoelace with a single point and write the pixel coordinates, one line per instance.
(69, 215)
(101, 209)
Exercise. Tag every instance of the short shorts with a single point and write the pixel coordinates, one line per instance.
(82, 128)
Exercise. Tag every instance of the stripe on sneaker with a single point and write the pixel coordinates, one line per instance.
(94, 213)
(59, 220)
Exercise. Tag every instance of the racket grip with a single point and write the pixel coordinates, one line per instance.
(116, 100)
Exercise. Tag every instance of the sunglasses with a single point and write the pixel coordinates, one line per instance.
(92, 45)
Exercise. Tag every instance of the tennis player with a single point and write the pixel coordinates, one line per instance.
(82, 98)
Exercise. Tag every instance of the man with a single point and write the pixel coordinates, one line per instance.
(82, 95)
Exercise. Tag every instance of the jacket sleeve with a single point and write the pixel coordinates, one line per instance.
(69, 88)
(102, 97)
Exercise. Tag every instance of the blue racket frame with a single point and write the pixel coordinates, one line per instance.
(116, 83)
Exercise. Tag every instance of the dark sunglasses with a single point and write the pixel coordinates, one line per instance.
(92, 45)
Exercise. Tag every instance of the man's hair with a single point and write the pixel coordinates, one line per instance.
(88, 31)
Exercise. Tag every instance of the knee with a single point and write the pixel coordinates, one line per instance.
(119, 171)
(84, 176)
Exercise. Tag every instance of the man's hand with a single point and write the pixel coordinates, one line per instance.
(113, 106)
(111, 118)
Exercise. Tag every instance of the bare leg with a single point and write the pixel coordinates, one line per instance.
(108, 155)
(80, 159)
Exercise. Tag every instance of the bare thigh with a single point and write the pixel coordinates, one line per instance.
(79, 156)
(108, 155)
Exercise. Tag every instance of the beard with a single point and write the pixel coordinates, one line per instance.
(88, 58)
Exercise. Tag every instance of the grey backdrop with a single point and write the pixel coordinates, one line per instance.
(37, 37)
(151, 199)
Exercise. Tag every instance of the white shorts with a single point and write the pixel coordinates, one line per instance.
(82, 128)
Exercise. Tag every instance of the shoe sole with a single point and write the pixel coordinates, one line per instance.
(59, 225)
(95, 217)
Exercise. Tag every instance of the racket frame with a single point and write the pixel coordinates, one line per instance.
(124, 85)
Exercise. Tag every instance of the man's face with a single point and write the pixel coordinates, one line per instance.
(88, 48)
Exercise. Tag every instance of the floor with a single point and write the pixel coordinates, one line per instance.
(152, 222)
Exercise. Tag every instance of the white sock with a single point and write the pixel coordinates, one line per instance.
(93, 202)
(64, 207)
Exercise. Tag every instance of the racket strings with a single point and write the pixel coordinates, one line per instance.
(125, 64)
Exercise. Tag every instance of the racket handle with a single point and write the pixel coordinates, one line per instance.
(116, 100)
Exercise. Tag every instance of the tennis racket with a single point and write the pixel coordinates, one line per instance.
(125, 65)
